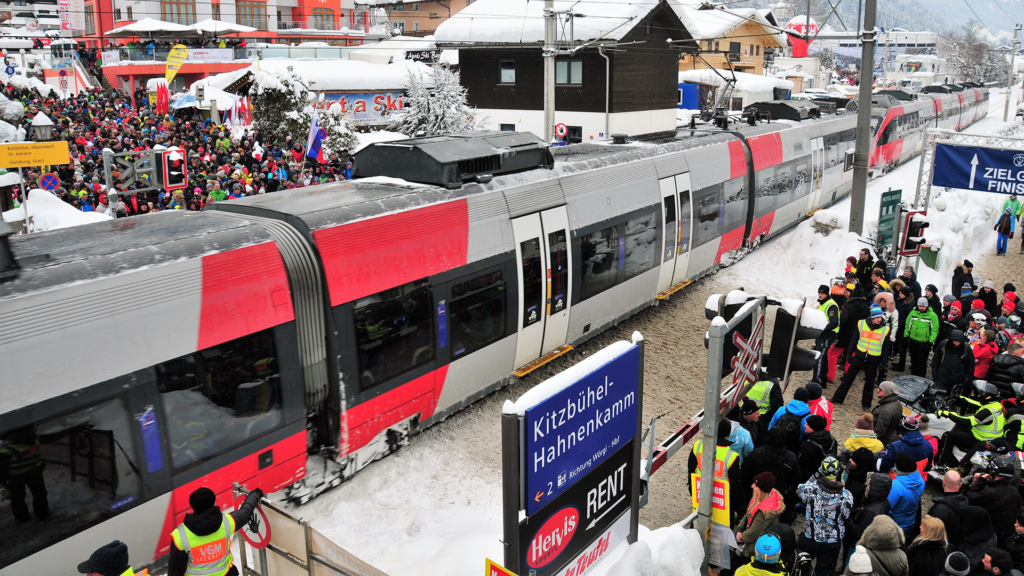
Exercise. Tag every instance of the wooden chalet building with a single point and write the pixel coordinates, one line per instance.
(622, 79)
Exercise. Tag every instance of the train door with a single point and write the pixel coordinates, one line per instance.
(669, 214)
(817, 172)
(543, 254)
(685, 231)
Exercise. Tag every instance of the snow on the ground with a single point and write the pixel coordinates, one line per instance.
(431, 509)
(47, 212)
(367, 138)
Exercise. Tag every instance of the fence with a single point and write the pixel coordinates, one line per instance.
(296, 549)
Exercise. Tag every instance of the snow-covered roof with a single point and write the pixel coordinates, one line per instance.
(744, 81)
(522, 21)
(334, 75)
(715, 24)
(391, 49)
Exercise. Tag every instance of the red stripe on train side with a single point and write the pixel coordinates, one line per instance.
(737, 160)
(762, 225)
(289, 466)
(367, 419)
(731, 240)
(244, 291)
(766, 150)
(368, 256)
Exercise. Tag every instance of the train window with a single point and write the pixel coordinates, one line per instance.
(599, 252)
(220, 397)
(670, 227)
(670, 209)
(641, 251)
(533, 281)
(558, 261)
(74, 471)
(832, 148)
(802, 180)
(888, 134)
(709, 213)
(784, 184)
(684, 221)
(764, 199)
(394, 333)
(735, 203)
(478, 313)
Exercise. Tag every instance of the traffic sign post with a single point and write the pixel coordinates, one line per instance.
(571, 460)
(887, 210)
(49, 182)
(561, 130)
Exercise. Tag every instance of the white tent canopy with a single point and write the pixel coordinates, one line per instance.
(149, 27)
(211, 26)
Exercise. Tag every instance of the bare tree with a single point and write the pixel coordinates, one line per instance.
(970, 57)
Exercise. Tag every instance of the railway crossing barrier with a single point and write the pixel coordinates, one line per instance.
(294, 548)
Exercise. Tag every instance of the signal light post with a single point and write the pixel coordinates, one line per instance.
(912, 239)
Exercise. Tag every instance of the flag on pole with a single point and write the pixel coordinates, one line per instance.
(315, 142)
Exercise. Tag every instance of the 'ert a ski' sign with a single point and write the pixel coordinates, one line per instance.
(575, 429)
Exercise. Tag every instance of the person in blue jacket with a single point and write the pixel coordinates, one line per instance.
(797, 407)
(912, 443)
(1004, 229)
(742, 443)
(905, 495)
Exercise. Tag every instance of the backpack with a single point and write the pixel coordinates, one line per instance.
(802, 565)
(792, 425)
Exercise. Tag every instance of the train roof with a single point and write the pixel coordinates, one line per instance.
(80, 253)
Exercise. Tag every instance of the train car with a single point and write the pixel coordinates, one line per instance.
(148, 357)
(287, 340)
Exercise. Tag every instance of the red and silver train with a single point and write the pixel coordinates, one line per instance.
(156, 354)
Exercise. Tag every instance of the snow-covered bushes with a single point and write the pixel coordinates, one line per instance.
(434, 105)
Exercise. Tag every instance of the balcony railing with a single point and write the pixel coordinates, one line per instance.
(183, 20)
(314, 24)
(257, 23)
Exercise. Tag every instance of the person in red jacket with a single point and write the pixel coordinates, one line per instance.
(985, 349)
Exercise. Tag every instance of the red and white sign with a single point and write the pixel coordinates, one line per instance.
(553, 537)
(492, 568)
(561, 130)
(599, 550)
(259, 538)
(744, 365)
(799, 24)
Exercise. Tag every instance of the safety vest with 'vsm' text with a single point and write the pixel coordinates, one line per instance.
(761, 393)
(871, 339)
(208, 555)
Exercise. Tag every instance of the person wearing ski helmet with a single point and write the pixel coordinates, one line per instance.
(767, 552)
(994, 492)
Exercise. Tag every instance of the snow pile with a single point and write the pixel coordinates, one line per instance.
(1011, 128)
(960, 224)
(47, 212)
(367, 138)
(744, 81)
(669, 551)
(712, 24)
(28, 83)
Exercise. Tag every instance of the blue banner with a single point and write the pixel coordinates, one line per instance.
(573, 431)
(982, 169)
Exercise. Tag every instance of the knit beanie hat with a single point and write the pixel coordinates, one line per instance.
(202, 499)
(765, 481)
(932, 288)
(922, 301)
(863, 457)
(749, 407)
(968, 264)
(876, 312)
(1001, 320)
(1009, 306)
(823, 289)
(948, 299)
(889, 388)
(957, 564)
(865, 422)
(816, 422)
(813, 391)
(724, 428)
(909, 423)
(801, 394)
(1010, 295)
(978, 304)
(905, 462)
(989, 284)
(965, 289)
(860, 562)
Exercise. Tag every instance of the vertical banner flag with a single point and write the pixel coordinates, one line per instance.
(175, 58)
(315, 142)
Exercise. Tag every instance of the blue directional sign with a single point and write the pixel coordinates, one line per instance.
(574, 430)
(976, 168)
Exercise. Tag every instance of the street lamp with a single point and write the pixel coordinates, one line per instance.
(42, 127)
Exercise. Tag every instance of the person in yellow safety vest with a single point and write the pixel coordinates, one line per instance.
(201, 544)
(21, 467)
(767, 393)
(866, 352)
(727, 468)
(971, 432)
(828, 335)
(108, 560)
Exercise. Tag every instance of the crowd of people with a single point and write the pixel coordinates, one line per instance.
(860, 489)
(221, 165)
